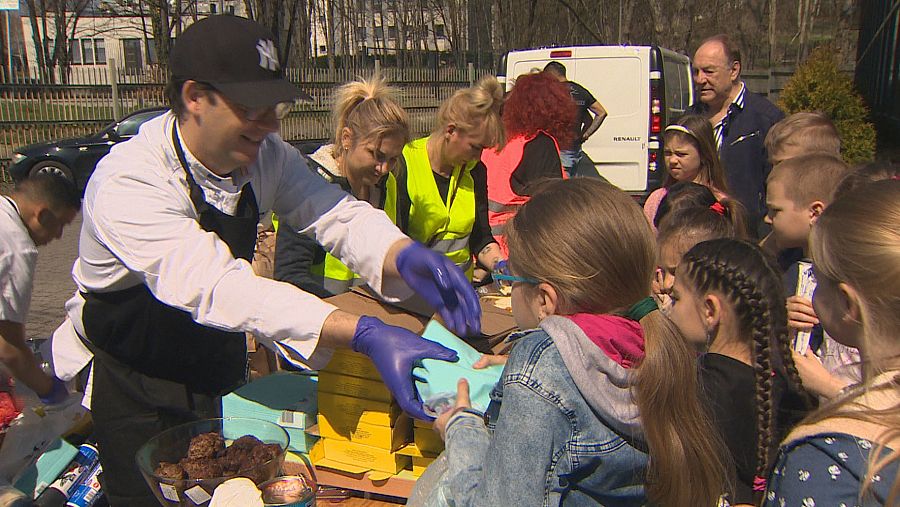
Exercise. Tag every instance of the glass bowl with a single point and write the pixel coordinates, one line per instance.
(172, 445)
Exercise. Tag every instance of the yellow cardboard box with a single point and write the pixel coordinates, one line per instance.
(330, 382)
(420, 464)
(354, 364)
(346, 410)
(358, 456)
(427, 441)
(389, 438)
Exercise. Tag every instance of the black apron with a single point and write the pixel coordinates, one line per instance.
(134, 328)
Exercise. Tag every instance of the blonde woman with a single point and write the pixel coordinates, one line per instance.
(444, 184)
(847, 452)
(370, 129)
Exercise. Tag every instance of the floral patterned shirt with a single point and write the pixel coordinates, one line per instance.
(828, 470)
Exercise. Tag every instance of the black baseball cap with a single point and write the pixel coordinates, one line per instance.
(235, 55)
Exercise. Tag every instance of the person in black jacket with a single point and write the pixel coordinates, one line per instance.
(740, 118)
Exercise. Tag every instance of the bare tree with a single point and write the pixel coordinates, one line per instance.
(64, 15)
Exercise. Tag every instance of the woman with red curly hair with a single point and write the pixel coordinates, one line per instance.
(538, 116)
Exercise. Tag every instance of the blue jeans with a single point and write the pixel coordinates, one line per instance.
(570, 159)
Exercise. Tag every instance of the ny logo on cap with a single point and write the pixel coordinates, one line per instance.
(268, 58)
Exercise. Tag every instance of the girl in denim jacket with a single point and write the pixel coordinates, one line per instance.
(599, 403)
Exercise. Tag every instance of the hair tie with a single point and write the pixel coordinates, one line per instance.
(759, 483)
(718, 208)
(640, 309)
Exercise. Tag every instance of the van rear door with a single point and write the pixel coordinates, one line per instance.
(618, 77)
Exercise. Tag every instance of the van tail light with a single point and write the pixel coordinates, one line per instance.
(655, 124)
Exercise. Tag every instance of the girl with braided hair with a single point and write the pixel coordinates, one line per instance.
(728, 299)
(848, 452)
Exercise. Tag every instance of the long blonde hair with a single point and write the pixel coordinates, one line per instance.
(475, 107)
(368, 107)
(857, 241)
(604, 265)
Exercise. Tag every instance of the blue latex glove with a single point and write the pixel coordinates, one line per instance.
(395, 351)
(58, 394)
(443, 285)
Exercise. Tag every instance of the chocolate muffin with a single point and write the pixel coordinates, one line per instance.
(202, 468)
(172, 471)
(205, 446)
(246, 442)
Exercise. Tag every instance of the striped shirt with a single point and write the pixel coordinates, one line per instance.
(720, 129)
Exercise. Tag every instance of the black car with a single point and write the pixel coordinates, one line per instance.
(76, 158)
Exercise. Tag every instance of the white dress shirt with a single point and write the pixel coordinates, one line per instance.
(18, 257)
(141, 227)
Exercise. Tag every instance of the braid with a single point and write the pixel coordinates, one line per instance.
(743, 274)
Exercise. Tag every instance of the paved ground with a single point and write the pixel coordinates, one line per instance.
(53, 284)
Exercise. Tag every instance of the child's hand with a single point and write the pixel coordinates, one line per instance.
(462, 402)
(489, 360)
(816, 379)
(800, 313)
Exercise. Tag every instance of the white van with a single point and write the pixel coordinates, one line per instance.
(643, 88)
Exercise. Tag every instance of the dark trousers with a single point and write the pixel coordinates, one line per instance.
(128, 409)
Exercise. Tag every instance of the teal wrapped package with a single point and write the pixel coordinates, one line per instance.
(283, 398)
(437, 379)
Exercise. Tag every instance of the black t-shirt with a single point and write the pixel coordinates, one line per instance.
(729, 388)
(583, 100)
(481, 230)
(540, 160)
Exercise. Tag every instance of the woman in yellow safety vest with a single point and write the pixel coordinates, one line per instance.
(443, 185)
(370, 131)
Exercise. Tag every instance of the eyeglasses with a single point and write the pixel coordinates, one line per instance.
(508, 280)
(280, 110)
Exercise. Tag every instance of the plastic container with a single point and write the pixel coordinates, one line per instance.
(172, 445)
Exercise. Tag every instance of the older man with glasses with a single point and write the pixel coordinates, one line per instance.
(165, 288)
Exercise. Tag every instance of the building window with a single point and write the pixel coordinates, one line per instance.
(439, 31)
(134, 58)
(392, 32)
(323, 48)
(361, 33)
(74, 51)
(213, 8)
(87, 51)
(100, 51)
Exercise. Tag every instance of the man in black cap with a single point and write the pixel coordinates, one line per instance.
(165, 288)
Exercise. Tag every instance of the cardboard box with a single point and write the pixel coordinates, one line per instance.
(340, 408)
(427, 441)
(389, 438)
(356, 457)
(496, 323)
(335, 383)
(399, 485)
(354, 364)
(287, 399)
(420, 464)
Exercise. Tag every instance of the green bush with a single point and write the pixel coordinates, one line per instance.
(818, 85)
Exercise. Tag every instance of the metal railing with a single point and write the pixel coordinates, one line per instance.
(32, 112)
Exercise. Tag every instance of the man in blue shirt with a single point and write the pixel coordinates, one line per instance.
(740, 118)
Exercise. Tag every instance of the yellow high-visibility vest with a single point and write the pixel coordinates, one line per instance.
(442, 225)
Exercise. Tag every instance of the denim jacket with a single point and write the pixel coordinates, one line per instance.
(551, 446)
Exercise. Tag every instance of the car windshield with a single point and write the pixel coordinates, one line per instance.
(129, 126)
